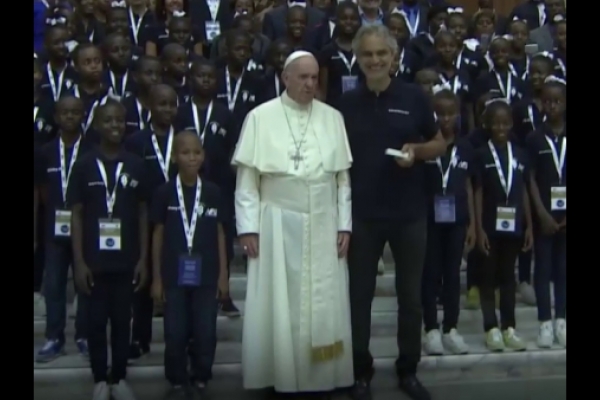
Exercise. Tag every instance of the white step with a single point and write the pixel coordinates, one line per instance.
(381, 348)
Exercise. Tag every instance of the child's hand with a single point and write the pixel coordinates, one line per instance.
(157, 292)
(483, 242)
(470, 239)
(84, 278)
(223, 286)
(528, 240)
(549, 225)
(140, 276)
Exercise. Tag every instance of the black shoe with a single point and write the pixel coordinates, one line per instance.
(138, 350)
(180, 393)
(228, 309)
(413, 388)
(361, 391)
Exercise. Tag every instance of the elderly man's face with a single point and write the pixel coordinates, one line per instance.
(301, 79)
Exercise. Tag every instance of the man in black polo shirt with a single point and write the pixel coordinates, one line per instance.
(110, 242)
(388, 200)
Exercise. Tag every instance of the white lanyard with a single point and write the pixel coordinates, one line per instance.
(348, 64)
(505, 89)
(513, 70)
(65, 173)
(113, 81)
(135, 27)
(541, 13)
(110, 197)
(143, 121)
(506, 183)
(54, 86)
(232, 99)
(201, 132)
(559, 163)
(532, 116)
(164, 162)
(446, 174)
(455, 83)
(413, 28)
(45, 2)
(189, 227)
(562, 66)
(458, 62)
(331, 28)
(277, 86)
(213, 7)
(90, 116)
(91, 36)
(36, 110)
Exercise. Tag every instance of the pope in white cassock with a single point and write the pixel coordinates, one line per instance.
(293, 211)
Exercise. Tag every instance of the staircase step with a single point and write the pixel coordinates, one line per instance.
(381, 348)
(383, 322)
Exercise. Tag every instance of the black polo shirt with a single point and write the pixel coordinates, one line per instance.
(461, 171)
(486, 177)
(44, 128)
(542, 164)
(140, 144)
(136, 116)
(220, 135)
(117, 84)
(246, 96)
(159, 35)
(408, 66)
(488, 82)
(336, 61)
(271, 86)
(50, 159)
(399, 115)
(62, 81)
(87, 188)
(165, 211)
(423, 46)
(527, 117)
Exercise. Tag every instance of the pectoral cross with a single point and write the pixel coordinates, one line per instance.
(296, 158)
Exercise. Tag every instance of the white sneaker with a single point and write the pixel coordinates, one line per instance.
(494, 340)
(560, 330)
(527, 294)
(454, 343)
(381, 267)
(432, 343)
(101, 391)
(545, 338)
(122, 391)
(39, 305)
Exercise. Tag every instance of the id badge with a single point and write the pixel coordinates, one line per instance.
(190, 270)
(349, 83)
(62, 223)
(213, 29)
(110, 234)
(444, 209)
(558, 198)
(505, 219)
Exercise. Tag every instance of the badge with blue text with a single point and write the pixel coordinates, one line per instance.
(349, 82)
(190, 270)
(445, 209)
(558, 198)
(506, 219)
(62, 223)
(109, 234)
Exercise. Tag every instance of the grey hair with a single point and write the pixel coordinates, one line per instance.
(374, 30)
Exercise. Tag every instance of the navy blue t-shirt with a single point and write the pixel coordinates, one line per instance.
(165, 211)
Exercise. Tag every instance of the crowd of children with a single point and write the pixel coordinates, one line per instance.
(137, 110)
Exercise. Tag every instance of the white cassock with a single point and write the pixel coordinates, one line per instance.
(297, 334)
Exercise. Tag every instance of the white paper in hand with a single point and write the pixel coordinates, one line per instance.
(397, 153)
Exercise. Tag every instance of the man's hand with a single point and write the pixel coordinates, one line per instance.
(140, 276)
(343, 241)
(84, 278)
(250, 244)
(483, 242)
(549, 225)
(408, 161)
